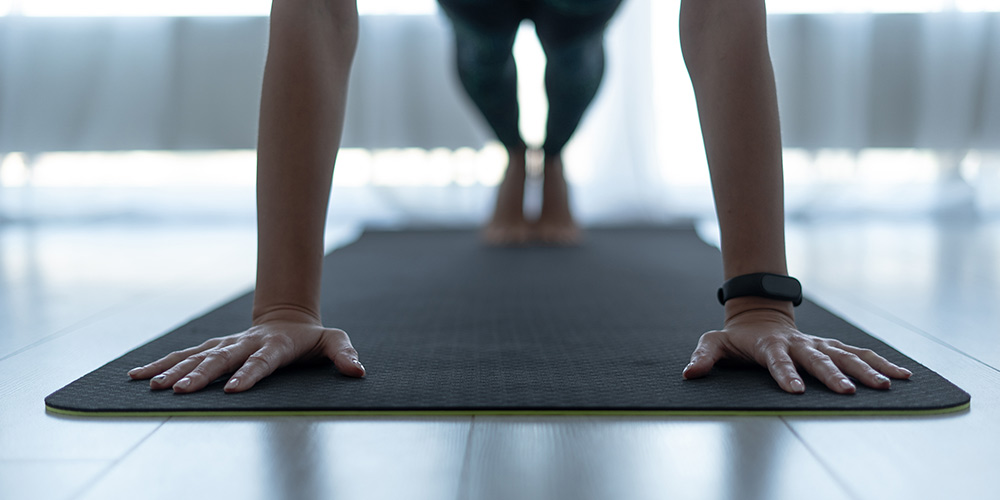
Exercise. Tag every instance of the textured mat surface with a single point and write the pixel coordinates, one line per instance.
(444, 324)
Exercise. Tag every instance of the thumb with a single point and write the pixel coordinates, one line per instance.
(337, 346)
(703, 358)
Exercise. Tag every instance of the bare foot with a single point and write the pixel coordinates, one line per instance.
(555, 225)
(507, 226)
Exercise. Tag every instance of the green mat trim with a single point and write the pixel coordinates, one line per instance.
(517, 413)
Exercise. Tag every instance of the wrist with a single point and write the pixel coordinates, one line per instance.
(738, 306)
(285, 313)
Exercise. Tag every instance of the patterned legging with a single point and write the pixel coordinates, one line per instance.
(571, 33)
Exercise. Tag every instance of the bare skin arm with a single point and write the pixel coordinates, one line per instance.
(312, 44)
(302, 108)
(725, 48)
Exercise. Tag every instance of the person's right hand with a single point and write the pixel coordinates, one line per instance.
(274, 341)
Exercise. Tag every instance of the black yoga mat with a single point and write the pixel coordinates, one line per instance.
(446, 325)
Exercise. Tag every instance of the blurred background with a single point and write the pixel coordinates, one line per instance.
(127, 138)
(138, 111)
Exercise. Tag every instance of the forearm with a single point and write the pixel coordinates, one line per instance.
(303, 100)
(725, 49)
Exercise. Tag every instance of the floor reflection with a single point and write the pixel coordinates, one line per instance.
(53, 277)
(23, 292)
(942, 275)
(966, 285)
(298, 464)
(338, 458)
(585, 458)
(755, 459)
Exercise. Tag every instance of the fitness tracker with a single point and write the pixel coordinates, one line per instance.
(767, 285)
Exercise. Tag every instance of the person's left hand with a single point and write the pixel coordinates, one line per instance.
(771, 339)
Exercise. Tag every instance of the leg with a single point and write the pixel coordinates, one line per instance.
(572, 36)
(484, 37)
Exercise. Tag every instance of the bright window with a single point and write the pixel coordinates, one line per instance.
(834, 6)
(188, 7)
(262, 7)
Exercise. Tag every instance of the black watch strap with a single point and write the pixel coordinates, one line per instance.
(767, 285)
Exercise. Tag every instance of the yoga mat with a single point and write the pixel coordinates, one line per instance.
(445, 325)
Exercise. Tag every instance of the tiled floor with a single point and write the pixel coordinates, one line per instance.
(73, 296)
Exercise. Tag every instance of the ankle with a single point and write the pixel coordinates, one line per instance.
(516, 162)
(553, 164)
(517, 153)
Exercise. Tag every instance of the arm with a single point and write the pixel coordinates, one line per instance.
(725, 49)
(312, 45)
(301, 119)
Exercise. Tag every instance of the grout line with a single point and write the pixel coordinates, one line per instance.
(104, 313)
(349, 236)
(136, 300)
(50, 460)
(843, 483)
(107, 470)
(466, 461)
(888, 316)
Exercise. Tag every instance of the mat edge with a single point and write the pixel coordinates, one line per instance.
(457, 413)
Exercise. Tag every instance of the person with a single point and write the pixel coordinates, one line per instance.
(572, 37)
(312, 43)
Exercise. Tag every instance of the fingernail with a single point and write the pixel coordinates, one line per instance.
(233, 383)
(797, 386)
(183, 383)
(846, 385)
(358, 363)
(134, 370)
(907, 372)
(159, 378)
(881, 378)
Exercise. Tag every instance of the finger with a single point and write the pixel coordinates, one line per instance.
(879, 363)
(709, 351)
(822, 367)
(163, 364)
(783, 371)
(170, 376)
(851, 364)
(337, 346)
(217, 362)
(258, 365)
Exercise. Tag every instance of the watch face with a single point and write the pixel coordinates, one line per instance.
(781, 286)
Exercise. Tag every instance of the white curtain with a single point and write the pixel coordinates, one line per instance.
(849, 81)
(889, 80)
(184, 83)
